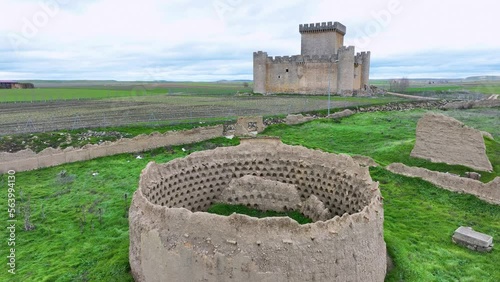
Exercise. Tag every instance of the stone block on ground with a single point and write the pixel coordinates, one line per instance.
(473, 240)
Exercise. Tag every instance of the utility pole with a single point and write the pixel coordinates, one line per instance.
(329, 85)
(329, 88)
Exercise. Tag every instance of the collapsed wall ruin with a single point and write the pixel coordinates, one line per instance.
(172, 238)
(26, 160)
(489, 192)
(444, 139)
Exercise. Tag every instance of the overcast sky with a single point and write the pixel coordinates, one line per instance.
(206, 40)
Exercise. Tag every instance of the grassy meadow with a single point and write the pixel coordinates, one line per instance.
(419, 86)
(81, 92)
(81, 216)
(56, 91)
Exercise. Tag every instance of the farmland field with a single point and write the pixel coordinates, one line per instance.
(69, 91)
(153, 109)
(440, 88)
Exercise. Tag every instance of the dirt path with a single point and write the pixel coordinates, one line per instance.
(411, 96)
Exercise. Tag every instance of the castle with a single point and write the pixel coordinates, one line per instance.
(324, 65)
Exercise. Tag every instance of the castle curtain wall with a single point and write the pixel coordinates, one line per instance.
(310, 76)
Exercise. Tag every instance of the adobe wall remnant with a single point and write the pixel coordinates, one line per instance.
(444, 139)
(172, 238)
(29, 160)
(249, 126)
(344, 113)
(365, 161)
(484, 103)
(489, 192)
(297, 119)
(324, 65)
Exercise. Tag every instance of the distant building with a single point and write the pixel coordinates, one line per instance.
(15, 85)
(324, 64)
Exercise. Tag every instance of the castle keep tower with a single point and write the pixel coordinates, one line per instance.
(322, 39)
(324, 64)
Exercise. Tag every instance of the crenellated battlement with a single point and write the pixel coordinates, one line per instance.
(346, 49)
(358, 59)
(362, 57)
(259, 53)
(324, 26)
(324, 64)
(302, 59)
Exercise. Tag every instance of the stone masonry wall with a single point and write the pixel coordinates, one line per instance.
(172, 238)
(301, 74)
(489, 192)
(29, 160)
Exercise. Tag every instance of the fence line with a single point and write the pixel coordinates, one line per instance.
(51, 116)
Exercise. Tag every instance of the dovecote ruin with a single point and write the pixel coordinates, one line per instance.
(173, 238)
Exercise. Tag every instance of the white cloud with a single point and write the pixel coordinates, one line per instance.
(210, 40)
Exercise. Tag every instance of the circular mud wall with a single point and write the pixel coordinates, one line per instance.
(172, 238)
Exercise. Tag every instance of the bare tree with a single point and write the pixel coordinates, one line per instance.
(28, 226)
(399, 85)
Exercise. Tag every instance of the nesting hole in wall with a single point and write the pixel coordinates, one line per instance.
(200, 184)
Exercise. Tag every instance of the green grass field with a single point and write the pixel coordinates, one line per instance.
(387, 137)
(422, 86)
(48, 94)
(67, 91)
(82, 230)
(486, 88)
(57, 94)
(76, 138)
(419, 220)
(81, 220)
(126, 90)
